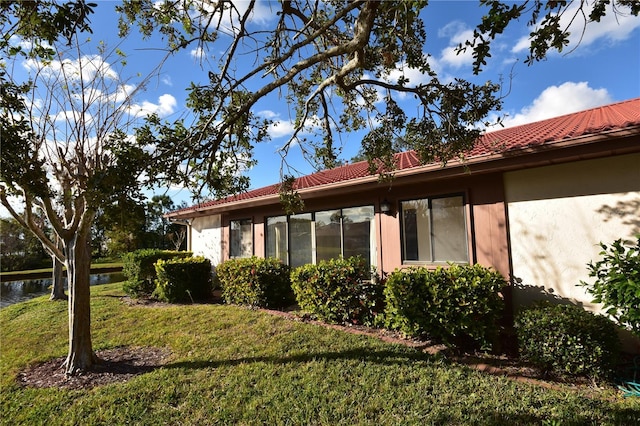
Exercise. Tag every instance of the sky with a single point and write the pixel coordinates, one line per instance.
(604, 68)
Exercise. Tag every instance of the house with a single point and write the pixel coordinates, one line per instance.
(532, 201)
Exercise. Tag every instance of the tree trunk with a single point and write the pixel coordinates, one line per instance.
(57, 285)
(81, 356)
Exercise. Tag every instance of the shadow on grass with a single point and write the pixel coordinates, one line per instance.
(605, 412)
(385, 357)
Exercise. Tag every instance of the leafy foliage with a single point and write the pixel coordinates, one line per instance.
(453, 304)
(183, 279)
(568, 340)
(550, 31)
(19, 248)
(340, 66)
(254, 281)
(617, 283)
(44, 21)
(140, 272)
(340, 291)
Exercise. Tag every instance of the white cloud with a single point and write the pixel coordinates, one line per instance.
(197, 53)
(268, 114)
(613, 27)
(166, 79)
(415, 76)
(87, 68)
(281, 128)
(555, 101)
(458, 33)
(278, 128)
(122, 93)
(206, 12)
(166, 106)
(262, 12)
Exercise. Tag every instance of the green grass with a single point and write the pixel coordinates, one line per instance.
(236, 366)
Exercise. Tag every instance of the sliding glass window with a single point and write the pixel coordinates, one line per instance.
(357, 224)
(434, 230)
(300, 239)
(328, 228)
(310, 238)
(277, 245)
(241, 238)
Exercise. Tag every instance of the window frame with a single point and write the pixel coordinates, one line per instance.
(267, 234)
(466, 210)
(251, 237)
(373, 246)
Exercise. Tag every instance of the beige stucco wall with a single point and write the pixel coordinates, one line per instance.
(206, 238)
(557, 216)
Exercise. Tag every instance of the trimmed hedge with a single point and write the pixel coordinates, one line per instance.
(338, 291)
(183, 279)
(140, 272)
(254, 281)
(568, 340)
(457, 305)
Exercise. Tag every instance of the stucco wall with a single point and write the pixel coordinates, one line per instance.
(557, 216)
(206, 238)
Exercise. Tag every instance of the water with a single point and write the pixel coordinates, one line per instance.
(19, 291)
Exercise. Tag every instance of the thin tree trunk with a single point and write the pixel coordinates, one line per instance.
(81, 356)
(57, 286)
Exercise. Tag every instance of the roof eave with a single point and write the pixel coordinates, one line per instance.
(494, 162)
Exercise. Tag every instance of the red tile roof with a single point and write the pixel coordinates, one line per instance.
(541, 133)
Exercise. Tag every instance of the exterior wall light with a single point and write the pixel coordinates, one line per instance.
(385, 207)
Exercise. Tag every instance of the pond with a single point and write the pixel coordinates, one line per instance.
(19, 291)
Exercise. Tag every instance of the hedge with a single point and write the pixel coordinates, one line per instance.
(257, 282)
(183, 279)
(139, 270)
(458, 305)
(567, 340)
(339, 291)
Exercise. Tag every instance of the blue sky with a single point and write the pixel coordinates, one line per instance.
(604, 68)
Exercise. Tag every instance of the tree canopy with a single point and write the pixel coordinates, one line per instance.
(341, 66)
(66, 146)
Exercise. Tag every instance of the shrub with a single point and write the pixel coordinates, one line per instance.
(13, 262)
(338, 291)
(140, 272)
(459, 305)
(256, 282)
(183, 279)
(617, 284)
(567, 340)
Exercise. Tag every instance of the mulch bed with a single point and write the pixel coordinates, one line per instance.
(115, 366)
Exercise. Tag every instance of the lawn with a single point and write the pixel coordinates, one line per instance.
(231, 365)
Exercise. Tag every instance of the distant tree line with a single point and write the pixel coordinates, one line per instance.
(120, 228)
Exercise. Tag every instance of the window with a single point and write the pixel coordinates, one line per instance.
(277, 245)
(434, 230)
(345, 232)
(300, 240)
(356, 227)
(328, 235)
(310, 238)
(290, 239)
(241, 238)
